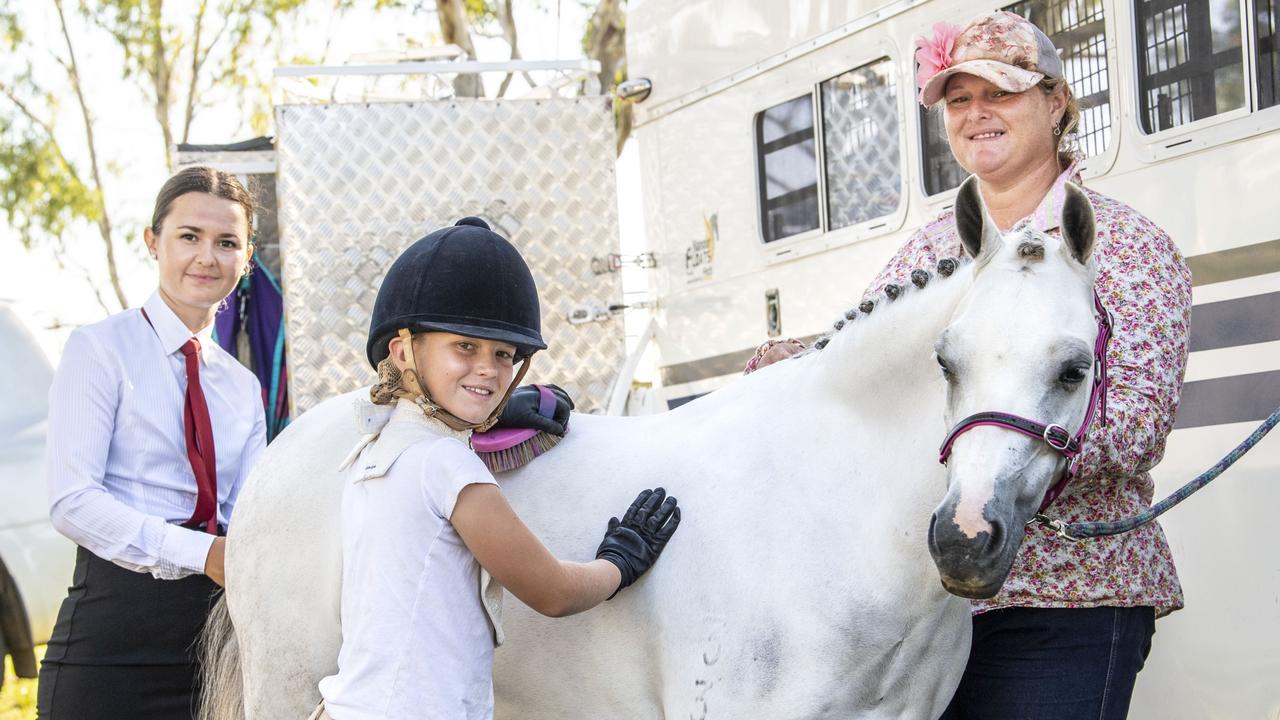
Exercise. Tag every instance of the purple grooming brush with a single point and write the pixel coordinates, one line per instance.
(504, 449)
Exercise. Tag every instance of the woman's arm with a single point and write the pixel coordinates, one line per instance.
(1144, 282)
(505, 547)
(82, 409)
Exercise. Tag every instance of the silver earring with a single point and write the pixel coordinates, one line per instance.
(1057, 130)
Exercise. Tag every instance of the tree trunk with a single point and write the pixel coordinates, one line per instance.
(104, 220)
(161, 77)
(454, 28)
(608, 33)
(507, 19)
(196, 62)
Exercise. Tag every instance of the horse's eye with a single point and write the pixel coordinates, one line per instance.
(1072, 376)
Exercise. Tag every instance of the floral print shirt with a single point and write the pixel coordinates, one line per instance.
(1144, 281)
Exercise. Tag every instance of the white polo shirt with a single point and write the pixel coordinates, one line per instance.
(416, 641)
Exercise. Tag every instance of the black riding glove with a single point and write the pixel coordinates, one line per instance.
(522, 410)
(634, 543)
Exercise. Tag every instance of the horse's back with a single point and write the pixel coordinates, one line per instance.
(743, 612)
(284, 562)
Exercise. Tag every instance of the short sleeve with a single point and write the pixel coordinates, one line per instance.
(449, 467)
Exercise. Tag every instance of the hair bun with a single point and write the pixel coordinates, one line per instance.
(474, 222)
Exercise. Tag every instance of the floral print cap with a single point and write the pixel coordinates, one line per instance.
(1002, 48)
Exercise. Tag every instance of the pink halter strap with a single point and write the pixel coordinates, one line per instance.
(1054, 435)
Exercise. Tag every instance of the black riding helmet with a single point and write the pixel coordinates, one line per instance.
(464, 279)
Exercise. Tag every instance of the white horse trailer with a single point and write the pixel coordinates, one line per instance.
(784, 158)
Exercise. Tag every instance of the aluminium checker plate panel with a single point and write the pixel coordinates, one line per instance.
(359, 182)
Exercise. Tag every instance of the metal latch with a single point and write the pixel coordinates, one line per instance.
(613, 262)
(772, 312)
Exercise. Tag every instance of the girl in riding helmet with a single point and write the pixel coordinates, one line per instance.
(421, 514)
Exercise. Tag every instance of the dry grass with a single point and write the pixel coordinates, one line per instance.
(18, 698)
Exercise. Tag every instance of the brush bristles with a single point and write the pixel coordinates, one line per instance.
(520, 455)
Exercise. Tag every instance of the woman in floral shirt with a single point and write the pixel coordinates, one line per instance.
(1072, 626)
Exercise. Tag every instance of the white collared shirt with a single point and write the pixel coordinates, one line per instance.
(120, 483)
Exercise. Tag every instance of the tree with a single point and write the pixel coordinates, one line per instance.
(45, 190)
(183, 57)
(178, 60)
(604, 40)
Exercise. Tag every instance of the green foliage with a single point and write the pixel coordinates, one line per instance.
(11, 34)
(39, 193)
(18, 698)
(481, 12)
(164, 44)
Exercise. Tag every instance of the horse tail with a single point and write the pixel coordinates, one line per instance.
(222, 686)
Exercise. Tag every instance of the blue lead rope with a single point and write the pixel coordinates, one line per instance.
(1082, 531)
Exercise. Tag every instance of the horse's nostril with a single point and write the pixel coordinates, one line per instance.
(996, 540)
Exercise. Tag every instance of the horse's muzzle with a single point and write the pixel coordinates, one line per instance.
(970, 567)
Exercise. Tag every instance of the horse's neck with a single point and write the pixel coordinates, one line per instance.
(889, 352)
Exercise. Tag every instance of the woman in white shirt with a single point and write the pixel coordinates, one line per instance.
(152, 430)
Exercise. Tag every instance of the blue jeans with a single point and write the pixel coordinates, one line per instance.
(1053, 664)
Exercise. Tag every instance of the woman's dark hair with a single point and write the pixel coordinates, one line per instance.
(202, 179)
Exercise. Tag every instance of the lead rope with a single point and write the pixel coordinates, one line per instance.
(1076, 532)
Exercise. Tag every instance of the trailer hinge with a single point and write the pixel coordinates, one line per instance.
(613, 262)
(583, 314)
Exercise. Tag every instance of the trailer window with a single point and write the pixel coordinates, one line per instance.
(1078, 30)
(1190, 61)
(787, 167)
(860, 144)
(1267, 13)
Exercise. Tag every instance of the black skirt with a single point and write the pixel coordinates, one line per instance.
(123, 647)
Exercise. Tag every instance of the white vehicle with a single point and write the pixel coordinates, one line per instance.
(35, 561)
(784, 157)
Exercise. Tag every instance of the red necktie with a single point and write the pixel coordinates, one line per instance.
(199, 432)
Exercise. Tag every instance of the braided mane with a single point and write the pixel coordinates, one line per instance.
(891, 292)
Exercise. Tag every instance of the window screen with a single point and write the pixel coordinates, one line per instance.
(1077, 29)
(941, 171)
(860, 144)
(1267, 13)
(788, 169)
(1189, 61)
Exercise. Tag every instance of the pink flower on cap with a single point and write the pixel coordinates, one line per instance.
(933, 55)
(1001, 47)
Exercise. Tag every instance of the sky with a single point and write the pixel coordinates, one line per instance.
(54, 299)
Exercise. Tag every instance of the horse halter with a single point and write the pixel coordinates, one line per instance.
(1054, 435)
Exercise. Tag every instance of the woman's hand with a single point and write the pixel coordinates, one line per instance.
(213, 563)
(771, 352)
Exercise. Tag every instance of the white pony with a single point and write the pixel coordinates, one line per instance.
(800, 584)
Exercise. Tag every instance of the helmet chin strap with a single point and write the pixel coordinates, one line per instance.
(418, 394)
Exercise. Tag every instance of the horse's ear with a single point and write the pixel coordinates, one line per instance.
(1077, 223)
(977, 230)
